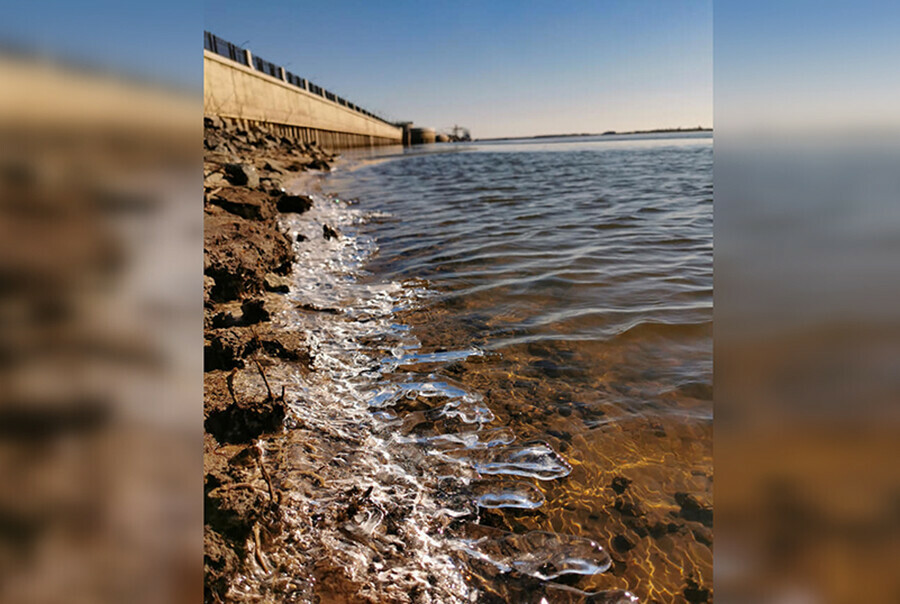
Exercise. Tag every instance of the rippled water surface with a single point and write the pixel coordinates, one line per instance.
(537, 327)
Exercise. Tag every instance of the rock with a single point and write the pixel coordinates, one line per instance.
(208, 284)
(242, 175)
(296, 204)
(628, 507)
(222, 352)
(254, 311)
(694, 593)
(276, 283)
(693, 510)
(619, 484)
(224, 149)
(301, 237)
(215, 179)
(319, 164)
(251, 207)
(246, 420)
(329, 233)
(622, 544)
(274, 166)
(274, 186)
(214, 122)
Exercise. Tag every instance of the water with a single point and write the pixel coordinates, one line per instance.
(524, 346)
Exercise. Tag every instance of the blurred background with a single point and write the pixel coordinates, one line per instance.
(100, 308)
(807, 277)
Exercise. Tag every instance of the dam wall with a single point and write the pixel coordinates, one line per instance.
(248, 90)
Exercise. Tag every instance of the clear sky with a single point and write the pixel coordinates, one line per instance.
(500, 67)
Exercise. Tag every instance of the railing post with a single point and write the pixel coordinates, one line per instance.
(281, 74)
(249, 58)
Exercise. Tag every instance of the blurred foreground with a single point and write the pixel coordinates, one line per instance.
(807, 369)
(100, 338)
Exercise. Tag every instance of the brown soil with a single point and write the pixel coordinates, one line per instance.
(247, 259)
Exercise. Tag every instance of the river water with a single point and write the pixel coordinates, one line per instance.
(531, 323)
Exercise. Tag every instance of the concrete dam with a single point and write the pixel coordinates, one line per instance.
(249, 90)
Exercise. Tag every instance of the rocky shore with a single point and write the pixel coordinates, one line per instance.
(247, 263)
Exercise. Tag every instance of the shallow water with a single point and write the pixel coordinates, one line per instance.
(525, 335)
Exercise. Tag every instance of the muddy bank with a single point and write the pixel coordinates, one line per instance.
(303, 502)
(247, 263)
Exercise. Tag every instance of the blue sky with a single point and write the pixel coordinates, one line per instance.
(501, 68)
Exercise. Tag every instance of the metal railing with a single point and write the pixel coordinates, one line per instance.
(266, 67)
(217, 45)
(224, 48)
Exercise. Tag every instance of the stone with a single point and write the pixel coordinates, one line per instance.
(329, 233)
(246, 206)
(295, 204)
(274, 166)
(692, 510)
(319, 164)
(254, 311)
(276, 283)
(215, 179)
(242, 175)
(619, 484)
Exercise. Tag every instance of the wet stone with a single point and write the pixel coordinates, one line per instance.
(276, 283)
(294, 204)
(254, 311)
(619, 484)
(621, 544)
(329, 233)
(693, 510)
(319, 164)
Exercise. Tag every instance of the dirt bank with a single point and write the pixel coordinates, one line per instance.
(246, 266)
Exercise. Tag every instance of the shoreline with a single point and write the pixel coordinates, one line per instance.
(288, 515)
(346, 439)
(247, 261)
(608, 133)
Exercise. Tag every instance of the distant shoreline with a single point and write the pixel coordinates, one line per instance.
(607, 133)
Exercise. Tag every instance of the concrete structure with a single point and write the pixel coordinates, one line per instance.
(421, 136)
(288, 105)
